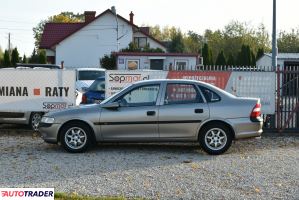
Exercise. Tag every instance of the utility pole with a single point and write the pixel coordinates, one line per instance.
(9, 47)
(274, 40)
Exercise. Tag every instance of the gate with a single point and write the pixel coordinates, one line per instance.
(287, 110)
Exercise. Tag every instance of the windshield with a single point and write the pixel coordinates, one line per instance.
(90, 74)
(98, 85)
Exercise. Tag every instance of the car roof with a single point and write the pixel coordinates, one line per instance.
(90, 69)
(169, 81)
(36, 66)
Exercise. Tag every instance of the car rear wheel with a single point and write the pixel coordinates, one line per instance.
(34, 121)
(75, 137)
(215, 138)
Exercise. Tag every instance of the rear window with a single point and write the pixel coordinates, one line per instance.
(98, 85)
(90, 75)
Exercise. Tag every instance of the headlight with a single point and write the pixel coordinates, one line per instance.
(48, 120)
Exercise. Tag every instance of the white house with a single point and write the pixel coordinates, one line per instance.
(84, 44)
(284, 60)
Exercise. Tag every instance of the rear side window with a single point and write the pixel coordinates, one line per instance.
(210, 95)
(90, 75)
(182, 94)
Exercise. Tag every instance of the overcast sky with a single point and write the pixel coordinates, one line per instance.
(19, 16)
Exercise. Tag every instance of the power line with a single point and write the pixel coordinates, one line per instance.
(16, 29)
(14, 21)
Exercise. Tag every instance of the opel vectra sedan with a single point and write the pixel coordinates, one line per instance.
(158, 111)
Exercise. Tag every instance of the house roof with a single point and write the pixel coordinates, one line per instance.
(154, 54)
(285, 56)
(54, 33)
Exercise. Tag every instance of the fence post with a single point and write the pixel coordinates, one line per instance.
(278, 98)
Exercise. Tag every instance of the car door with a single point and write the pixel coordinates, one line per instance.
(136, 118)
(182, 111)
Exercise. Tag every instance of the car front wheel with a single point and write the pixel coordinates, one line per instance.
(75, 137)
(215, 139)
(34, 121)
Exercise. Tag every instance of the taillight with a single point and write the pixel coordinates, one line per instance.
(256, 111)
(84, 99)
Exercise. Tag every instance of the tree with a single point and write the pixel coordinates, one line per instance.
(193, 42)
(260, 53)
(288, 42)
(108, 62)
(34, 57)
(6, 59)
(230, 60)
(177, 43)
(66, 17)
(245, 56)
(1, 56)
(14, 57)
(42, 58)
(220, 61)
(207, 55)
(24, 59)
(165, 34)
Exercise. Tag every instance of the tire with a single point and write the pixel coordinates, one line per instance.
(34, 120)
(76, 137)
(215, 138)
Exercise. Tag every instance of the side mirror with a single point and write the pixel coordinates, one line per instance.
(113, 105)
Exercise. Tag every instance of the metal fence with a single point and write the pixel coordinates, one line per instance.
(286, 117)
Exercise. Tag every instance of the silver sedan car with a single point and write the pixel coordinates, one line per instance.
(158, 111)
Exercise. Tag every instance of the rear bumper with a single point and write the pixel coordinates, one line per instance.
(245, 128)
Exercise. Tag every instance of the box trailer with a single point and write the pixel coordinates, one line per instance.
(26, 94)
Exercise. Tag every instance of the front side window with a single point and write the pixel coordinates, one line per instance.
(141, 96)
(181, 94)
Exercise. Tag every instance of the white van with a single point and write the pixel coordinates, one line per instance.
(86, 76)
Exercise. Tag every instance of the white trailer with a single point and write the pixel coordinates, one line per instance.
(26, 94)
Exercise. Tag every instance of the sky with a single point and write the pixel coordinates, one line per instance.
(18, 17)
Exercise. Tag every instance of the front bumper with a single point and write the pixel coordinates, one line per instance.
(49, 133)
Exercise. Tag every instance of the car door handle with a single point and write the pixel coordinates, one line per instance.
(150, 113)
(198, 110)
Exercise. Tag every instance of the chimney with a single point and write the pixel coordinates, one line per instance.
(131, 18)
(113, 10)
(89, 16)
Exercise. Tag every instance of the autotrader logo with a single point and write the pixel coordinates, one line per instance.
(27, 193)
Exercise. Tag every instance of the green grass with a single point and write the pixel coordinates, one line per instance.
(64, 196)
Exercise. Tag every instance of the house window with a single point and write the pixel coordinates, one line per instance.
(181, 64)
(140, 41)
